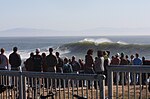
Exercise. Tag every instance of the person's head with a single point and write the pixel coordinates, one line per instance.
(108, 53)
(117, 55)
(127, 57)
(105, 53)
(122, 55)
(80, 60)
(73, 58)
(43, 55)
(37, 51)
(2, 50)
(31, 54)
(50, 50)
(15, 49)
(143, 58)
(99, 53)
(90, 52)
(136, 55)
(57, 54)
(112, 57)
(132, 56)
(65, 60)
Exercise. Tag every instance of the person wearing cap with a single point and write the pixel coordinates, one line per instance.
(51, 61)
(15, 59)
(37, 59)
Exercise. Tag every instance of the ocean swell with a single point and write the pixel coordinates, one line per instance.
(118, 47)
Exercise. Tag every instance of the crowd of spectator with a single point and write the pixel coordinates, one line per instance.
(40, 62)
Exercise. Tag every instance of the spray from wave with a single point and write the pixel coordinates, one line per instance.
(26, 53)
(100, 40)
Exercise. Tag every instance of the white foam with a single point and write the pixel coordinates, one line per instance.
(121, 42)
(99, 40)
(26, 53)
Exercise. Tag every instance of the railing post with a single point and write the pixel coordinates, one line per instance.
(24, 86)
(110, 83)
(102, 87)
(20, 86)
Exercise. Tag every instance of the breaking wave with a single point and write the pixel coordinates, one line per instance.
(82, 46)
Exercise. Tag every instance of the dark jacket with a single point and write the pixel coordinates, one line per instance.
(14, 60)
(51, 61)
(37, 66)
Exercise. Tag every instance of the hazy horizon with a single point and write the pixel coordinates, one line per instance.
(76, 17)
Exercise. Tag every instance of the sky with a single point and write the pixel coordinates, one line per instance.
(74, 15)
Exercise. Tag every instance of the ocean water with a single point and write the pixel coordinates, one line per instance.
(68, 46)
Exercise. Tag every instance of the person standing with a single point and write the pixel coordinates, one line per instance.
(59, 64)
(131, 73)
(15, 59)
(116, 61)
(99, 65)
(3, 60)
(75, 65)
(29, 64)
(89, 65)
(107, 62)
(44, 66)
(37, 59)
(15, 62)
(3, 65)
(123, 62)
(89, 62)
(51, 61)
(137, 61)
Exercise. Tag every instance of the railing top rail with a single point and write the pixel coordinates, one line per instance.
(129, 68)
(64, 75)
(10, 73)
(53, 75)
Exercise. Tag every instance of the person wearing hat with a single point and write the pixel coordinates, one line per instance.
(37, 59)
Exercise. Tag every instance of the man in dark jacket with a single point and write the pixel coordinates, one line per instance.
(15, 59)
(15, 62)
(51, 61)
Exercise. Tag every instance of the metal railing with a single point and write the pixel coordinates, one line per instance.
(128, 82)
(38, 85)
